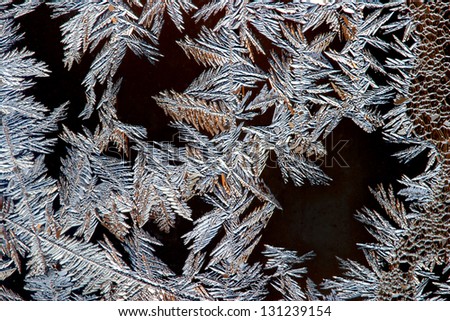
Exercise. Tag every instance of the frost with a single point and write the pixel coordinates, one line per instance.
(310, 65)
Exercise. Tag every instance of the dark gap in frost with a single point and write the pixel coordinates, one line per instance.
(262, 119)
(173, 252)
(142, 80)
(16, 283)
(404, 267)
(321, 218)
(101, 232)
(199, 207)
(43, 37)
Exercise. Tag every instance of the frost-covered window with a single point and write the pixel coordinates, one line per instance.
(177, 201)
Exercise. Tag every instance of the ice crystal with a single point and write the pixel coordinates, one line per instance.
(380, 65)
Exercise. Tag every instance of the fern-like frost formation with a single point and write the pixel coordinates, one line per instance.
(84, 235)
